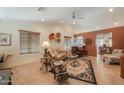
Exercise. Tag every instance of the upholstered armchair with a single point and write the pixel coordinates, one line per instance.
(113, 58)
(60, 74)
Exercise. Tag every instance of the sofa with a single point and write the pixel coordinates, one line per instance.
(113, 58)
(58, 54)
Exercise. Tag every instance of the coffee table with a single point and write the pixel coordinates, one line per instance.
(74, 62)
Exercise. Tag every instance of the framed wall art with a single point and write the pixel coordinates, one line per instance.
(88, 41)
(5, 39)
(52, 37)
(58, 37)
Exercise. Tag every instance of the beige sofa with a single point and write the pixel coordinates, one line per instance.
(58, 54)
(114, 57)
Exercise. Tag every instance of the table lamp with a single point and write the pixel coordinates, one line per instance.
(45, 45)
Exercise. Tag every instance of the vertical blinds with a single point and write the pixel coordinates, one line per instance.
(29, 42)
(78, 41)
(67, 41)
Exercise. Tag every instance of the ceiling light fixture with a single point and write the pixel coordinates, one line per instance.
(75, 15)
(111, 10)
(62, 21)
(97, 27)
(42, 20)
(116, 23)
(74, 23)
(41, 9)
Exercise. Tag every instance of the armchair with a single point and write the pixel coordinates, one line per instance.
(113, 58)
(60, 74)
(58, 68)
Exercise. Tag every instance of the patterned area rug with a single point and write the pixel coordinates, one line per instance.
(83, 72)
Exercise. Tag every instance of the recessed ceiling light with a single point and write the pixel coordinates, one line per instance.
(97, 27)
(42, 19)
(111, 10)
(116, 23)
(62, 21)
(74, 23)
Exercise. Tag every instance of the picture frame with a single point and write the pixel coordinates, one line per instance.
(52, 37)
(5, 39)
(58, 37)
(88, 41)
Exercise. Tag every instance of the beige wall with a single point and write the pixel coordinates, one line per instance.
(45, 29)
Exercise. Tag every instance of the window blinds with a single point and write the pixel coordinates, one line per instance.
(35, 42)
(67, 43)
(29, 42)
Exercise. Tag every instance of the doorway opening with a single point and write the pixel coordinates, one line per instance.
(103, 44)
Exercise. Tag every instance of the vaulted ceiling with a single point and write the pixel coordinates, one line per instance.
(88, 18)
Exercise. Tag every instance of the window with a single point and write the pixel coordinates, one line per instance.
(78, 41)
(29, 42)
(67, 43)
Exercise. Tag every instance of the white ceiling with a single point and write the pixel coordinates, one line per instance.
(92, 16)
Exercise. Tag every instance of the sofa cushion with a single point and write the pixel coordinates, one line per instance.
(61, 55)
(57, 54)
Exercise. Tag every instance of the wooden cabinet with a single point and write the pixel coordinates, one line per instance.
(122, 66)
(80, 51)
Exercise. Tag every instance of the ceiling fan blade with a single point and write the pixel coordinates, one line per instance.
(74, 16)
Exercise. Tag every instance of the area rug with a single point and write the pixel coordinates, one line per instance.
(84, 72)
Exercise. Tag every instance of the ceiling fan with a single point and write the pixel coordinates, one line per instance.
(42, 9)
(75, 16)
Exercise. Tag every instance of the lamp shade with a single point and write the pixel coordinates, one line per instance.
(84, 44)
(45, 44)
